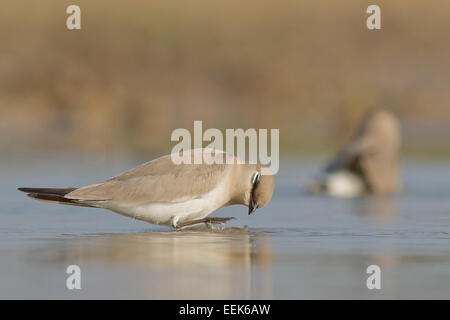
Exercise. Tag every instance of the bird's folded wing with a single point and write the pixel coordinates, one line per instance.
(157, 181)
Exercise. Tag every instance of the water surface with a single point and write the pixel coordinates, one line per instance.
(299, 246)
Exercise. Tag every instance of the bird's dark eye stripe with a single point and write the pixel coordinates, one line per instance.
(255, 178)
(253, 191)
(255, 181)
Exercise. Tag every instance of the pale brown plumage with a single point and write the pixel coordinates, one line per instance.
(157, 180)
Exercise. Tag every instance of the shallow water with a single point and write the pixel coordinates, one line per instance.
(299, 246)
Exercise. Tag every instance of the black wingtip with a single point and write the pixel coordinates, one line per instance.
(28, 190)
(48, 191)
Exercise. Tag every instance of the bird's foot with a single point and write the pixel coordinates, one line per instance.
(209, 221)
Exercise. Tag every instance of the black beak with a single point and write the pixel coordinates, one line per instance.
(252, 206)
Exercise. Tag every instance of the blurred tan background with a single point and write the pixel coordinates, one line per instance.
(140, 69)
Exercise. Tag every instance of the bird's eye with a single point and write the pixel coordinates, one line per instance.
(255, 178)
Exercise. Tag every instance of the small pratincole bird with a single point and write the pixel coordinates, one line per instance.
(369, 163)
(177, 195)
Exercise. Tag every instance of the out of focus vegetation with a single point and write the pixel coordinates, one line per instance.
(139, 69)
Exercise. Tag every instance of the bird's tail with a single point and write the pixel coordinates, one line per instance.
(53, 195)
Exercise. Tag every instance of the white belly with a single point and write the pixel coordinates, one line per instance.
(344, 183)
(165, 212)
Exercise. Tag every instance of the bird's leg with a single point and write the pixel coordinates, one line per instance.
(175, 222)
(207, 220)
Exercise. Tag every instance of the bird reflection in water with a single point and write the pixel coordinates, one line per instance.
(180, 265)
(381, 207)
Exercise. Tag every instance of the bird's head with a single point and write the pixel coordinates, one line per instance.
(261, 190)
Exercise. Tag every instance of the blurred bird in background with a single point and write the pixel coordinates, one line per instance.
(369, 163)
